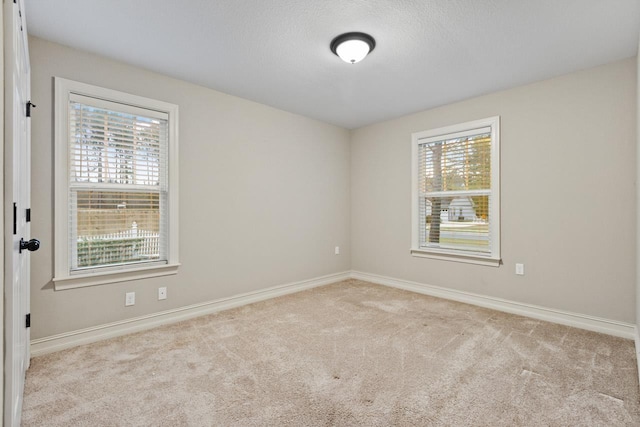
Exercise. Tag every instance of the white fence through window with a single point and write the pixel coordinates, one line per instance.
(116, 248)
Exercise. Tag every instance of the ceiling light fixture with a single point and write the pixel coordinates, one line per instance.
(352, 47)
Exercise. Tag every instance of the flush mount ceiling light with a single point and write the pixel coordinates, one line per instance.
(352, 47)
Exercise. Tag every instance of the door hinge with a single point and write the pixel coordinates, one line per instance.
(28, 320)
(29, 215)
(29, 105)
(15, 219)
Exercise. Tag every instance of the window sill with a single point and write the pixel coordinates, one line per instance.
(115, 276)
(457, 257)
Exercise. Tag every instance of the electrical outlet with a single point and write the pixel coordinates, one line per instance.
(337, 250)
(520, 269)
(130, 299)
(162, 293)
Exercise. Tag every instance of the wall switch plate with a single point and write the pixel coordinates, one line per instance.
(337, 251)
(130, 299)
(520, 269)
(162, 293)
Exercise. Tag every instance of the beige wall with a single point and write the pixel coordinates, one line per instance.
(264, 196)
(637, 294)
(568, 171)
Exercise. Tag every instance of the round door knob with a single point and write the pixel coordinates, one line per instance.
(31, 245)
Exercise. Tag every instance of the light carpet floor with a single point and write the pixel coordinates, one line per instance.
(347, 354)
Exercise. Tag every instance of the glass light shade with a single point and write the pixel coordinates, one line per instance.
(352, 51)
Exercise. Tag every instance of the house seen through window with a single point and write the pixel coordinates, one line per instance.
(456, 191)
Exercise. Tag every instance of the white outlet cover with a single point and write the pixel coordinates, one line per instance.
(130, 299)
(162, 293)
(520, 269)
(337, 251)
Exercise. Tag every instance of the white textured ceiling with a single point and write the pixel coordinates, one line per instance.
(276, 52)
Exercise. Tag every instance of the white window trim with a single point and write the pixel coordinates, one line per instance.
(418, 138)
(62, 277)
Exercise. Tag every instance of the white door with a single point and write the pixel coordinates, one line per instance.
(17, 215)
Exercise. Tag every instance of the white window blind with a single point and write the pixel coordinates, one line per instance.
(456, 193)
(118, 184)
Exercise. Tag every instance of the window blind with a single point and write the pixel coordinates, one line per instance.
(455, 199)
(118, 184)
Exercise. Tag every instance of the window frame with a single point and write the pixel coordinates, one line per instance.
(448, 132)
(63, 277)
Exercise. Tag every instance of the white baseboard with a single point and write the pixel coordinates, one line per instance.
(58, 342)
(65, 340)
(591, 323)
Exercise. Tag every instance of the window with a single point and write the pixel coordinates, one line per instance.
(116, 203)
(456, 192)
